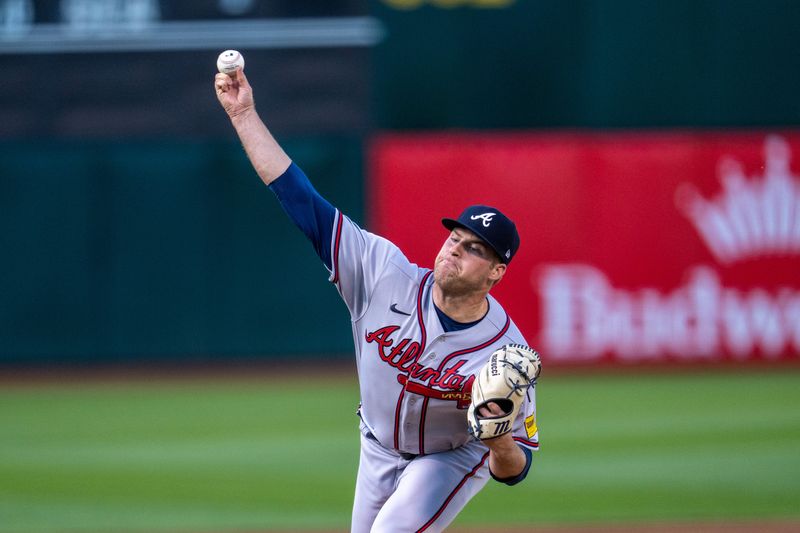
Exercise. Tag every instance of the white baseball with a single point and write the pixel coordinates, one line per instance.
(229, 60)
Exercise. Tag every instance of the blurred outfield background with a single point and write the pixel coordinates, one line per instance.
(690, 450)
(644, 147)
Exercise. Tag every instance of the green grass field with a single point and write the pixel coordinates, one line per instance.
(275, 453)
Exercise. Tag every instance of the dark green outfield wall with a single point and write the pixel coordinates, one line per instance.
(588, 63)
(163, 249)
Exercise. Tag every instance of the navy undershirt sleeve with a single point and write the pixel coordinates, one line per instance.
(310, 212)
(516, 479)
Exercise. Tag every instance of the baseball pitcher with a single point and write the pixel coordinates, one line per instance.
(446, 379)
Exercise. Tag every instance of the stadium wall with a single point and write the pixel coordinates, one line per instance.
(163, 251)
(636, 247)
(132, 227)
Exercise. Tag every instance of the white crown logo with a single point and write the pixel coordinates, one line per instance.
(751, 217)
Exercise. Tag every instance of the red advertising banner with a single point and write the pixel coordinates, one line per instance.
(636, 247)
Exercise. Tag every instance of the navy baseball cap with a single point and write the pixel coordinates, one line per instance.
(492, 226)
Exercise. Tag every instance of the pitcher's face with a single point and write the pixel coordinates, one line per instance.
(466, 264)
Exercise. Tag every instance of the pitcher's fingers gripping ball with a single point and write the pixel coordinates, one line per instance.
(503, 380)
(229, 61)
(234, 92)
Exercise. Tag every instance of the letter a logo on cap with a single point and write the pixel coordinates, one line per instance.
(486, 218)
(491, 225)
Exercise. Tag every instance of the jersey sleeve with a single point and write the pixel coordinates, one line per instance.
(354, 257)
(359, 259)
(526, 434)
(526, 429)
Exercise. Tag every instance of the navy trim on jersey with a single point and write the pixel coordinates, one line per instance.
(397, 418)
(522, 475)
(529, 443)
(339, 223)
(441, 368)
(420, 318)
(309, 211)
(450, 497)
(422, 342)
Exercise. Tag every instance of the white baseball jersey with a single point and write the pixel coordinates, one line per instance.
(414, 377)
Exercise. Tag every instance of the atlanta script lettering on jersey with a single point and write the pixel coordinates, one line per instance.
(404, 355)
